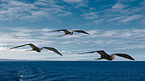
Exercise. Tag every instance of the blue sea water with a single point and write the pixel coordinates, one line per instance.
(72, 71)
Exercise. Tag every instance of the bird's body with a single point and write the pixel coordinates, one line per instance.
(35, 48)
(70, 33)
(104, 55)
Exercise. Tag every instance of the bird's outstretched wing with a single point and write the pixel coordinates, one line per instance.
(88, 52)
(80, 31)
(103, 54)
(31, 45)
(124, 55)
(52, 49)
(65, 30)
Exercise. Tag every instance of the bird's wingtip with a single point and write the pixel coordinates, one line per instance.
(81, 53)
(60, 54)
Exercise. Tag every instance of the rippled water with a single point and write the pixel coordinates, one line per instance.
(72, 70)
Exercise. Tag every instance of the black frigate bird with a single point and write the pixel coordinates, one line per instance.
(104, 55)
(35, 48)
(70, 33)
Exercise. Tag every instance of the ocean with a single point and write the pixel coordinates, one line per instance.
(72, 71)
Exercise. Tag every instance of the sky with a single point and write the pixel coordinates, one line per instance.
(116, 26)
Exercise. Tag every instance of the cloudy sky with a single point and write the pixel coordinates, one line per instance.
(116, 26)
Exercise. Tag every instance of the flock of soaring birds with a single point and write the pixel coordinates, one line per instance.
(103, 54)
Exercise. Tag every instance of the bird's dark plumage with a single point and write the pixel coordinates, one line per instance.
(70, 33)
(124, 55)
(104, 55)
(52, 49)
(64, 30)
(88, 52)
(80, 31)
(34, 48)
(31, 45)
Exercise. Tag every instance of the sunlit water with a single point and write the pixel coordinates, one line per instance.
(72, 71)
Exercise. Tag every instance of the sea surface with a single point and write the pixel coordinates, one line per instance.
(72, 71)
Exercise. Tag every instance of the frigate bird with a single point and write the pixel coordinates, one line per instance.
(70, 33)
(104, 55)
(35, 48)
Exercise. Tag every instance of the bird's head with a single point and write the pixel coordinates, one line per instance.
(113, 57)
(71, 33)
(40, 49)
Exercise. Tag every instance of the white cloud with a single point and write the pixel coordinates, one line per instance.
(21, 35)
(67, 42)
(123, 39)
(120, 12)
(46, 30)
(32, 11)
(131, 18)
(124, 13)
(73, 1)
(91, 32)
(125, 0)
(3, 48)
(132, 47)
(20, 29)
(21, 54)
(77, 3)
(44, 37)
(116, 18)
(119, 6)
(91, 15)
(98, 21)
